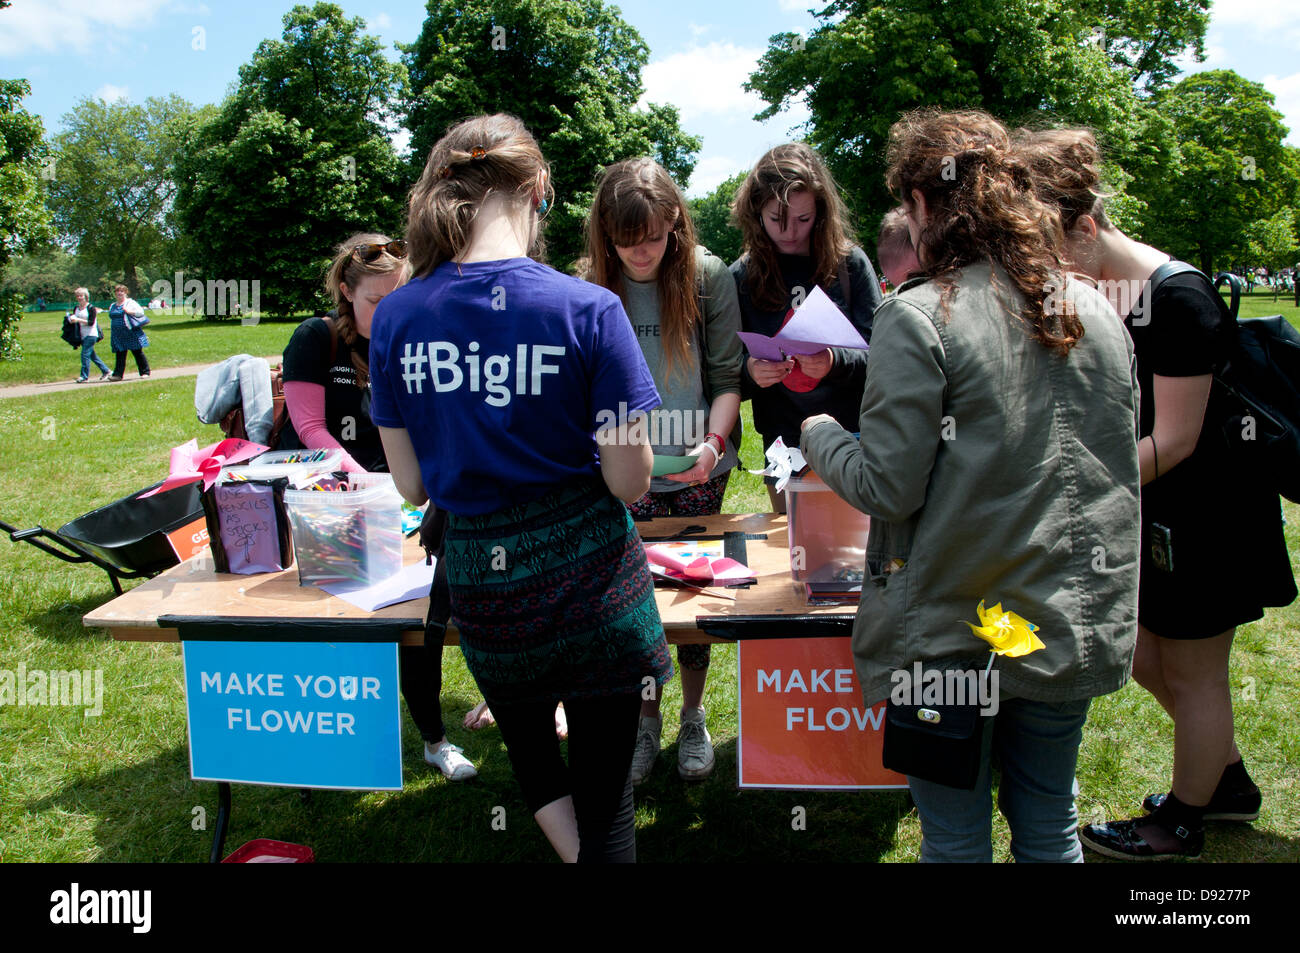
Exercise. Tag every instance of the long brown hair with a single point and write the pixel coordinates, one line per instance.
(634, 199)
(347, 268)
(981, 205)
(1066, 164)
(475, 159)
(782, 172)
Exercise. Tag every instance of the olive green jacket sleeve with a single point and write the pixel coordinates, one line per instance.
(886, 472)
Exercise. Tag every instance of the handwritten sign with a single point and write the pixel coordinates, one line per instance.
(246, 512)
(294, 714)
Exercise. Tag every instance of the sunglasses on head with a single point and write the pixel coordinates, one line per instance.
(369, 251)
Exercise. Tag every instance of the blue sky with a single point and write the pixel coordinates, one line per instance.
(700, 54)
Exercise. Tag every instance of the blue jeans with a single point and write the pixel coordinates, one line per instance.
(1037, 747)
(88, 354)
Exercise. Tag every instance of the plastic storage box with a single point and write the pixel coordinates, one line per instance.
(828, 537)
(350, 532)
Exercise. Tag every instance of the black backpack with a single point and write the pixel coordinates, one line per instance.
(1261, 378)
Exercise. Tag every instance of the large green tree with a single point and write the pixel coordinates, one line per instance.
(24, 218)
(298, 158)
(712, 216)
(1229, 169)
(113, 186)
(1026, 61)
(570, 69)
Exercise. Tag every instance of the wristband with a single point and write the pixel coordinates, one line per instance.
(716, 456)
(722, 444)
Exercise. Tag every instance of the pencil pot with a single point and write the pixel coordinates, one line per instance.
(248, 526)
(828, 537)
(347, 531)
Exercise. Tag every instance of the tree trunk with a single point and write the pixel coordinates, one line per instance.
(129, 279)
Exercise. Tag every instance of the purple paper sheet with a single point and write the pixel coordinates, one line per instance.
(248, 529)
(817, 324)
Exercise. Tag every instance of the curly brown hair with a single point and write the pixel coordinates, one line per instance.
(981, 205)
(634, 199)
(1066, 164)
(780, 173)
(475, 159)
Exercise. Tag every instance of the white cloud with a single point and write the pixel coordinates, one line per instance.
(713, 171)
(1264, 15)
(380, 21)
(1286, 90)
(111, 94)
(81, 25)
(697, 30)
(798, 6)
(705, 82)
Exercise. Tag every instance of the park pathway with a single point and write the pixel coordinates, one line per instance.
(158, 373)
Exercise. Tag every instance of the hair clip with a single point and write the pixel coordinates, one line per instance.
(444, 172)
(478, 152)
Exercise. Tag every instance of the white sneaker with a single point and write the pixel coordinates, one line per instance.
(647, 748)
(694, 746)
(450, 760)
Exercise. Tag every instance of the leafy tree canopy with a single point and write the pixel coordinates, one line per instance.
(570, 69)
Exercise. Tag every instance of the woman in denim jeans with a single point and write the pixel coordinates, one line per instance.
(998, 460)
(84, 314)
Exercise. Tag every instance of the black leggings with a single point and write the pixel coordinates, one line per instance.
(421, 675)
(119, 362)
(602, 736)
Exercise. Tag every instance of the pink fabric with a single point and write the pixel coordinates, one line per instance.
(306, 403)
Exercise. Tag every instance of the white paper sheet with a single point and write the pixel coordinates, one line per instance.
(413, 582)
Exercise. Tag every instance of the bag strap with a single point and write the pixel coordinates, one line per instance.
(334, 338)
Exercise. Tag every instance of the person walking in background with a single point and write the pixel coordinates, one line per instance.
(682, 305)
(127, 334)
(796, 238)
(84, 314)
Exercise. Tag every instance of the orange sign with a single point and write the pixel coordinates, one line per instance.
(189, 540)
(802, 721)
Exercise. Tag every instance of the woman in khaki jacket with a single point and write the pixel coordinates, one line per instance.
(998, 459)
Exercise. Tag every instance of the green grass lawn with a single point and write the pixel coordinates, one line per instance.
(117, 787)
(174, 341)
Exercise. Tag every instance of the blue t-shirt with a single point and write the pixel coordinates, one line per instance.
(502, 372)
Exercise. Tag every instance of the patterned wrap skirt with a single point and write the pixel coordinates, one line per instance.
(554, 599)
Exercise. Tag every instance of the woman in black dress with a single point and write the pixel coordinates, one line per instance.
(1213, 553)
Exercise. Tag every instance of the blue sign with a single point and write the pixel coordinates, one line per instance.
(295, 714)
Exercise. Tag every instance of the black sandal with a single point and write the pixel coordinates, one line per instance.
(1120, 839)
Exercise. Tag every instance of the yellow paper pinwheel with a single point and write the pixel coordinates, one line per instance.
(1006, 632)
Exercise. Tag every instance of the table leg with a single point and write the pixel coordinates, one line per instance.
(223, 822)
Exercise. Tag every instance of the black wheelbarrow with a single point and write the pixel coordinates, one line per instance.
(130, 538)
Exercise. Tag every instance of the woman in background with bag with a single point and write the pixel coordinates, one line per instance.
(997, 450)
(127, 333)
(1201, 512)
(84, 315)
